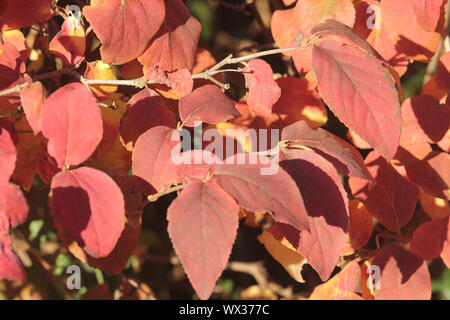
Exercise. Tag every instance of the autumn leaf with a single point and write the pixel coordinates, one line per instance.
(361, 93)
(390, 198)
(342, 286)
(70, 42)
(152, 156)
(135, 23)
(90, 206)
(203, 222)
(404, 275)
(207, 104)
(72, 123)
(175, 44)
(263, 91)
(341, 154)
(146, 110)
(8, 155)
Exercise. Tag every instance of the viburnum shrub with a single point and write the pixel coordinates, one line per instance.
(107, 106)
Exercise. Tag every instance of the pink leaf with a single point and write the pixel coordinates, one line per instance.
(135, 23)
(146, 110)
(254, 191)
(427, 13)
(341, 154)
(72, 122)
(8, 155)
(317, 179)
(263, 91)
(152, 156)
(90, 206)
(361, 92)
(206, 104)
(404, 275)
(33, 98)
(10, 266)
(13, 206)
(175, 44)
(203, 222)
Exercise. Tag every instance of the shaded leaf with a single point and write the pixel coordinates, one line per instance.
(341, 154)
(390, 198)
(404, 275)
(70, 42)
(317, 179)
(24, 13)
(175, 44)
(257, 191)
(146, 110)
(135, 23)
(432, 239)
(90, 206)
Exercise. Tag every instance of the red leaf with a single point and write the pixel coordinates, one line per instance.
(390, 198)
(10, 266)
(341, 154)
(33, 98)
(432, 239)
(395, 33)
(132, 188)
(422, 173)
(90, 205)
(276, 193)
(11, 65)
(203, 222)
(175, 44)
(341, 286)
(317, 179)
(13, 206)
(72, 122)
(404, 275)
(361, 93)
(146, 110)
(135, 23)
(152, 156)
(8, 155)
(427, 13)
(263, 91)
(70, 42)
(24, 13)
(424, 120)
(290, 27)
(206, 104)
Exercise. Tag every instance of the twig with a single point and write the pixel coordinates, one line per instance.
(156, 196)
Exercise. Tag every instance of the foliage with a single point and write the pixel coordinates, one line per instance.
(97, 104)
